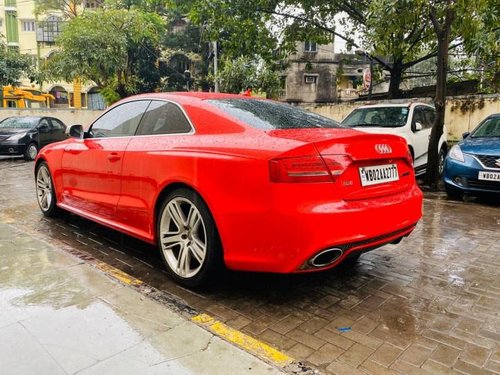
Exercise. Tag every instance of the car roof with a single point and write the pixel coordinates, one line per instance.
(189, 97)
(401, 105)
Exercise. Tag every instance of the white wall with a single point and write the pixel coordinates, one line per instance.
(68, 116)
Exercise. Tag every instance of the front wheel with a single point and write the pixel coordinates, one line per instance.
(441, 157)
(188, 239)
(31, 152)
(45, 192)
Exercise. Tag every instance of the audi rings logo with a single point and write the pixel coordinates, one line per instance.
(383, 149)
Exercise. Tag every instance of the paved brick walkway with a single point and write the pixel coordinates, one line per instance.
(429, 305)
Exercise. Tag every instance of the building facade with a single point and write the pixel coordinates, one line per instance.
(35, 35)
(316, 74)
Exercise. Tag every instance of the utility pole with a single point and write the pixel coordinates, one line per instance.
(216, 66)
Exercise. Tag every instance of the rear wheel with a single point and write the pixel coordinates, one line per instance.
(31, 152)
(45, 190)
(188, 239)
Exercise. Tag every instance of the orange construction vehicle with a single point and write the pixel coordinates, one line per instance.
(25, 97)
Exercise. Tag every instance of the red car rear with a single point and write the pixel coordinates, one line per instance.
(219, 179)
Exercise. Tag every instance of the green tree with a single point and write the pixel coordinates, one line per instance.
(239, 74)
(69, 8)
(451, 20)
(238, 31)
(110, 47)
(14, 66)
(236, 75)
(257, 26)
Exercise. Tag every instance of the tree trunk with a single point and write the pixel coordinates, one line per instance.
(443, 35)
(396, 73)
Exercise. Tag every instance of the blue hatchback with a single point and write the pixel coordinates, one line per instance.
(473, 165)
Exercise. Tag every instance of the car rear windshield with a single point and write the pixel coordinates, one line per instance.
(269, 115)
(390, 117)
(489, 128)
(18, 123)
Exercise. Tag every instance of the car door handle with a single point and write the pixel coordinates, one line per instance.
(114, 157)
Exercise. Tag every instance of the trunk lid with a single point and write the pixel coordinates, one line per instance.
(362, 165)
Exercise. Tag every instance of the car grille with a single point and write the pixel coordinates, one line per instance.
(480, 184)
(489, 161)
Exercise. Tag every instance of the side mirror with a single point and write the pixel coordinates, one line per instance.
(465, 135)
(75, 131)
(418, 126)
(44, 128)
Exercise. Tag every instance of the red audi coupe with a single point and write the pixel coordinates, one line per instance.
(226, 180)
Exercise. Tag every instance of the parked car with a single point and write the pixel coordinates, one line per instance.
(218, 179)
(412, 121)
(473, 165)
(26, 135)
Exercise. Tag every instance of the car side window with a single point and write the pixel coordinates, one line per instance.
(56, 124)
(44, 123)
(430, 116)
(163, 118)
(418, 116)
(121, 121)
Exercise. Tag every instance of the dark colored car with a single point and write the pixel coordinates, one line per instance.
(473, 165)
(26, 135)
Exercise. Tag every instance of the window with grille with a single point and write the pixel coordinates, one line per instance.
(310, 46)
(49, 30)
(310, 79)
(29, 25)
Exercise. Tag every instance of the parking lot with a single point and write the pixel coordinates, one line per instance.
(427, 305)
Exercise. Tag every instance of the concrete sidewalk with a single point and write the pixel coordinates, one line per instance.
(60, 315)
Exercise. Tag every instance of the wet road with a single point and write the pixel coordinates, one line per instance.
(428, 305)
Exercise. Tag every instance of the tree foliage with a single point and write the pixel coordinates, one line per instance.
(14, 66)
(239, 74)
(116, 48)
(68, 8)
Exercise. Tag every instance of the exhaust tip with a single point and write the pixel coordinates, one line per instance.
(326, 257)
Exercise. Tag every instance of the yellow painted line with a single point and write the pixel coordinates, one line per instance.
(245, 342)
(117, 274)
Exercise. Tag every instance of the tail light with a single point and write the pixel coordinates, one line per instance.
(409, 158)
(308, 168)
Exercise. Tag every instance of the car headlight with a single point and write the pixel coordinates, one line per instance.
(456, 153)
(16, 137)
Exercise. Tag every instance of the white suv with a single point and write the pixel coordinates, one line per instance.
(412, 121)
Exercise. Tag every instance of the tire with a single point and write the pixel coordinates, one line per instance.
(31, 152)
(453, 193)
(441, 157)
(188, 239)
(45, 192)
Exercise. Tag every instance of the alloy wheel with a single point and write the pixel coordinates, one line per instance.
(32, 151)
(183, 237)
(441, 157)
(44, 188)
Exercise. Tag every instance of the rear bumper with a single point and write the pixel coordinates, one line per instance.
(286, 238)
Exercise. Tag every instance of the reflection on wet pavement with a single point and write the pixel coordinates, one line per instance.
(60, 316)
(430, 304)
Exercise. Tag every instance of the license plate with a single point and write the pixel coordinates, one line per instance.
(378, 174)
(489, 176)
